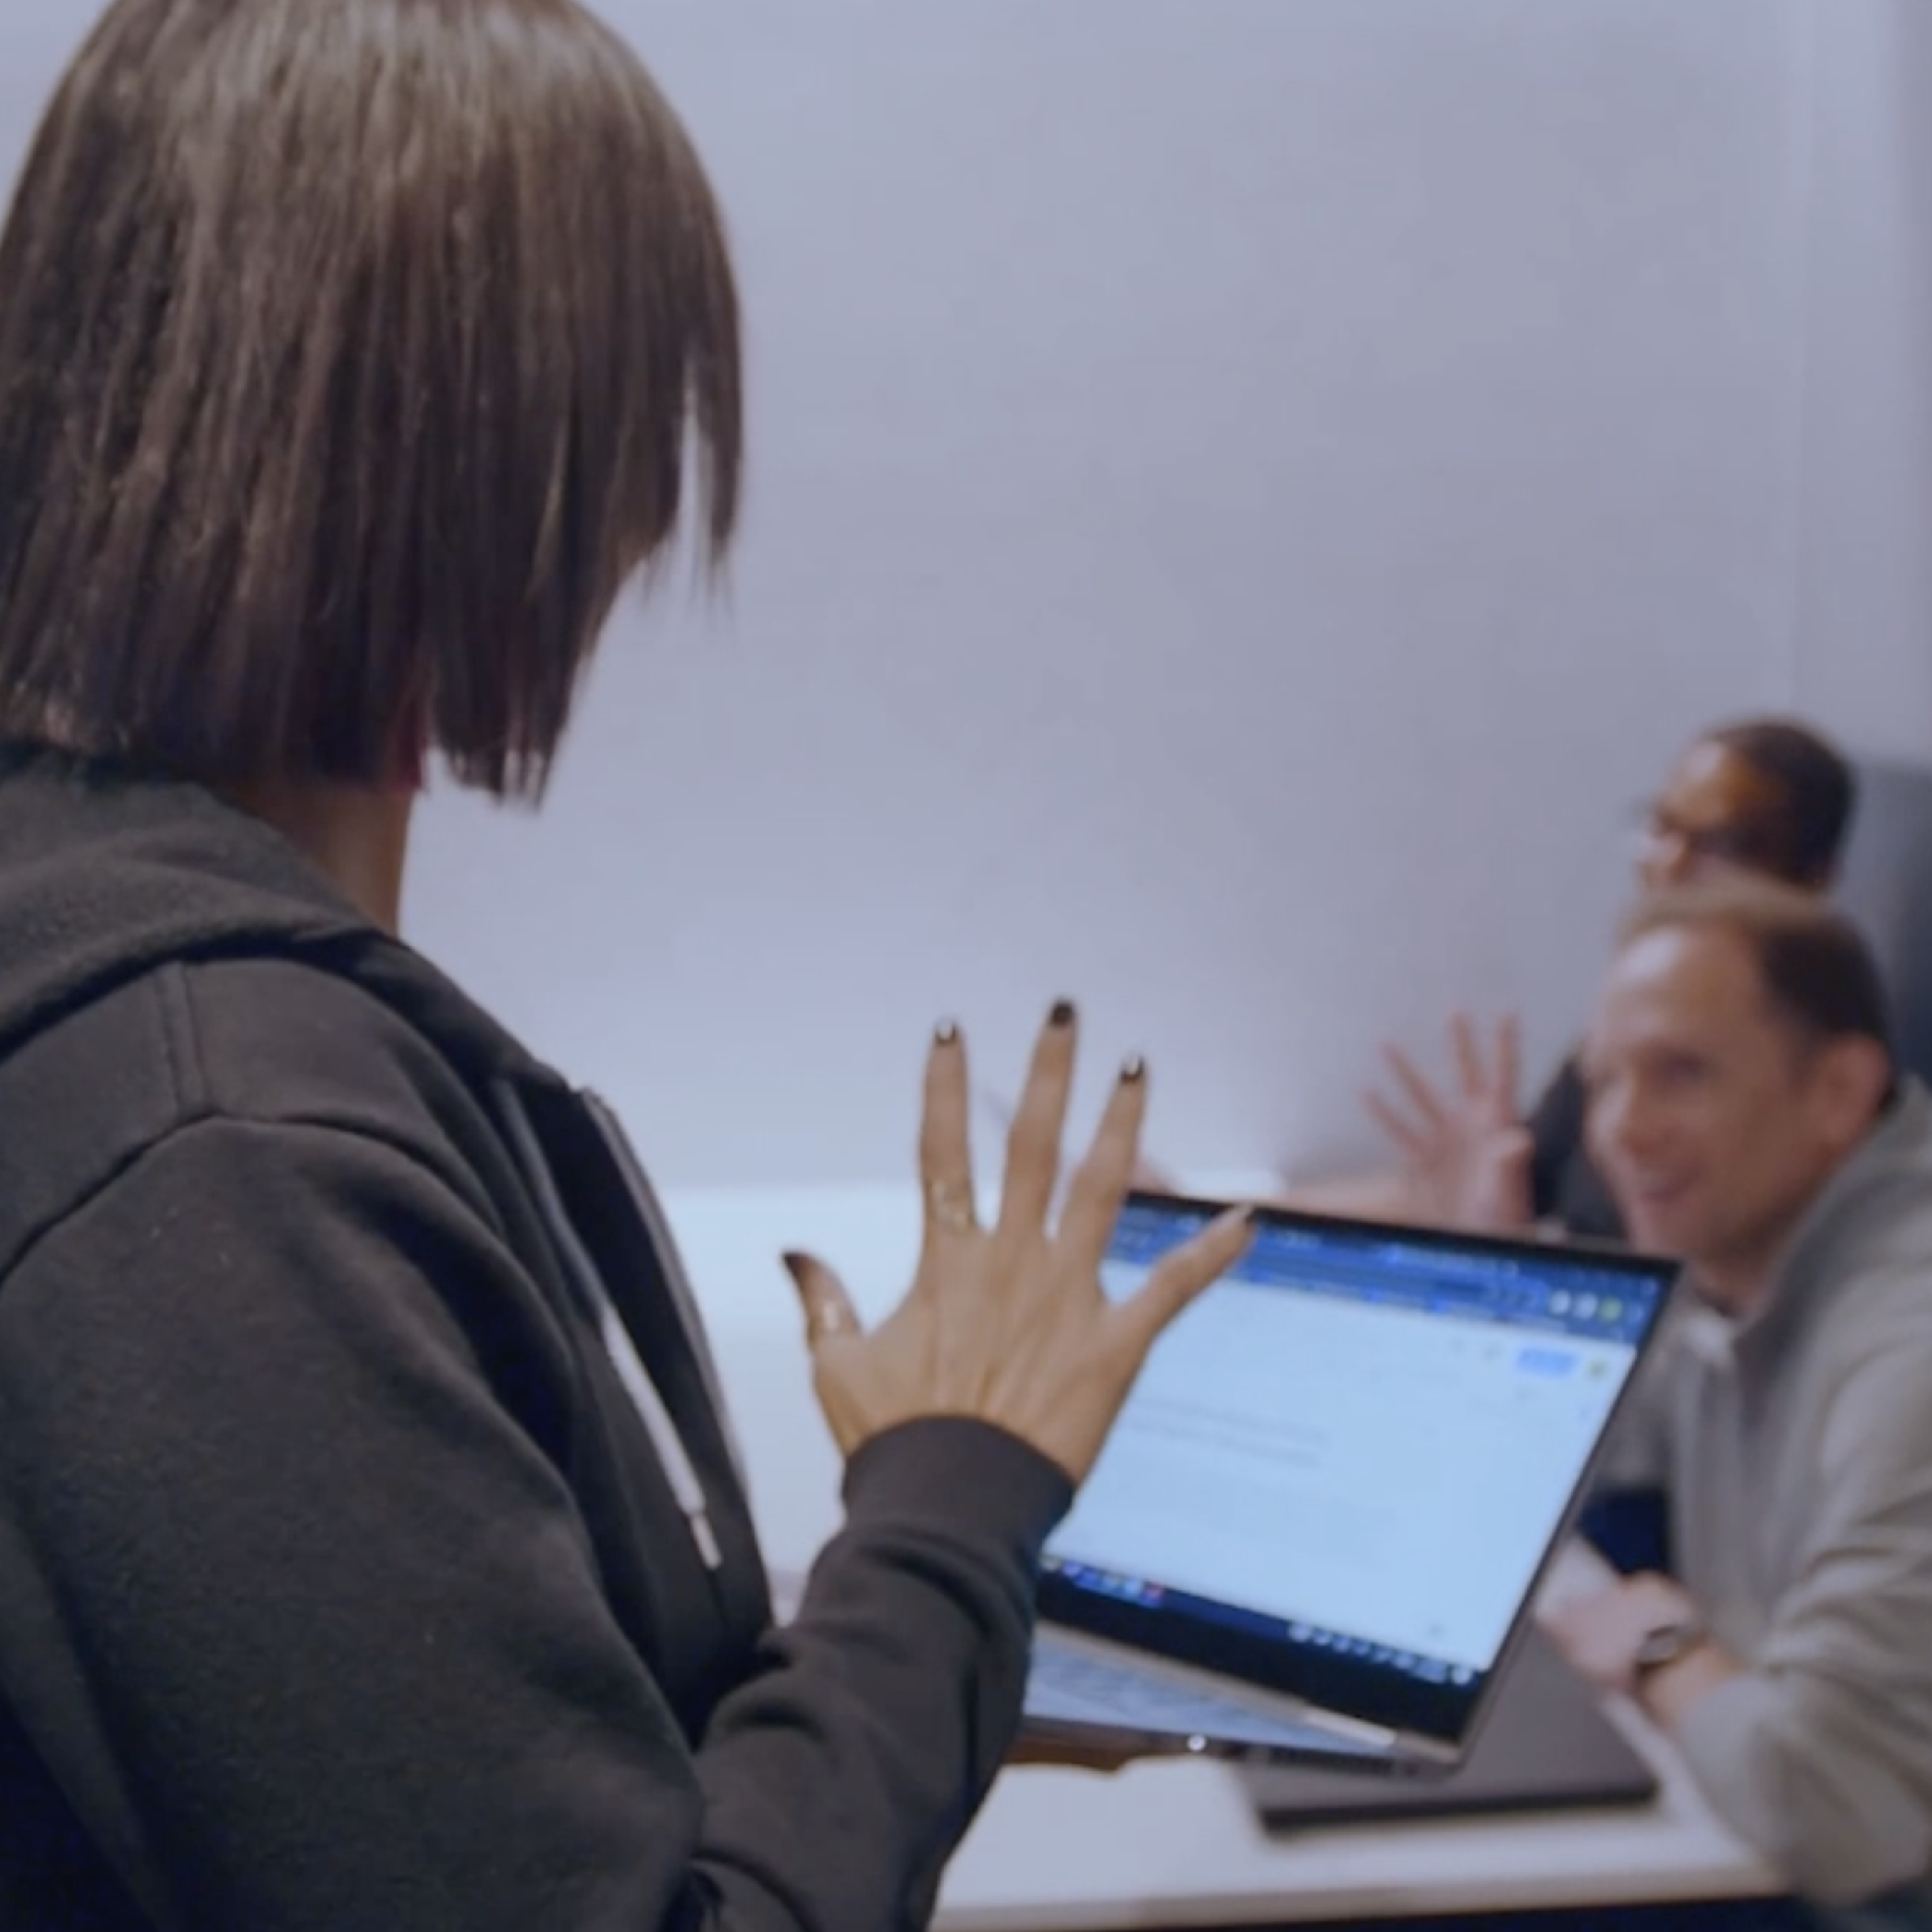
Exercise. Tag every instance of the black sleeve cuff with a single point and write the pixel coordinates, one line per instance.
(987, 1482)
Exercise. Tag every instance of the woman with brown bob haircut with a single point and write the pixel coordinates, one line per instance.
(373, 1554)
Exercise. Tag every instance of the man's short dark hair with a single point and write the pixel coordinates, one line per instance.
(350, 354)
(1819, 789)
(1818, 972)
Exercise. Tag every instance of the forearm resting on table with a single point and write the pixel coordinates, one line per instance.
(1815, 1785)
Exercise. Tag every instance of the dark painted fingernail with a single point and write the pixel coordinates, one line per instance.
(1132, 1068)
(794, 1262)
(1061, 1013)
(947, 1033)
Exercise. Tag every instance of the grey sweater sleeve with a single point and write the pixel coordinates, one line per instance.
(1820, 1752)
(311, 1631)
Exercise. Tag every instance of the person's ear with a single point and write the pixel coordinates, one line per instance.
(1852, 1077)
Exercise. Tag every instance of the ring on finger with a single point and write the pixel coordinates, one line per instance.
(949, 1206)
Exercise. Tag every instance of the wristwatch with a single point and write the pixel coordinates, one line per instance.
(1665, 1644)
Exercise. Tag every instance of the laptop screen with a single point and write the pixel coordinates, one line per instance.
(1344, 1467)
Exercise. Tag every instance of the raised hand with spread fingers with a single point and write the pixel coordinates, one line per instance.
(1465, 1152)
(1009, 1323)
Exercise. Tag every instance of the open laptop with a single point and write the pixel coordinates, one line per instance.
(1545, 1745)
(1315, 1531)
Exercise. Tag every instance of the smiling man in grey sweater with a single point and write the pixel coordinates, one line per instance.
(1744, 1108)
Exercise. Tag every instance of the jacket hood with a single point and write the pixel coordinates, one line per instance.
(105, 875)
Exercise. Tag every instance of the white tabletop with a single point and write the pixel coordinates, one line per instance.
(1169, 1844)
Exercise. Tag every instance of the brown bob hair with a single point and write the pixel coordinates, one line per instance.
(353, 354)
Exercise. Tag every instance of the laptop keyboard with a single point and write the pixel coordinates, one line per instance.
(1074, 1686)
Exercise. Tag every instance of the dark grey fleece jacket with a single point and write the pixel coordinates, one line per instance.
(341, 1586)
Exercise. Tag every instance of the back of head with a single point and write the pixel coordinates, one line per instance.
(1818, 785)
(1817, 972)
(348, 354)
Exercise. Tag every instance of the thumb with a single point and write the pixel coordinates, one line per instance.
(1187, 1271)
(828, 1308)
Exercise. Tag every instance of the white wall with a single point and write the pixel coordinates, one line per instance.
(1243, 498)
(1864, 659)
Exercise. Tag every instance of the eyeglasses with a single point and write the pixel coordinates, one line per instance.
(1756, 846)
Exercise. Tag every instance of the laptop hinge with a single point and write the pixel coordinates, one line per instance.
(1358, 1730)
